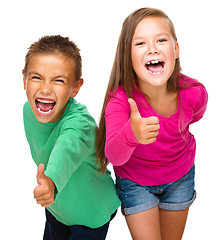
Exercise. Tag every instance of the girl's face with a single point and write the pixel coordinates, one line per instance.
(153, 52)
(49, 84)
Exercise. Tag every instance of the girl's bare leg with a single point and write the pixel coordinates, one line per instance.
(172, 224)
(145, 225)
(155, 224)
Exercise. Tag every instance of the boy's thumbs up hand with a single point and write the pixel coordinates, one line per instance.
(144, 129)
(44, 192)
(40, 174)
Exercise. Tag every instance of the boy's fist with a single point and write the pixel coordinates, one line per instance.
(144, 129)
(44, 192)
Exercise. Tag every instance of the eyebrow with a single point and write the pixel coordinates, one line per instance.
(157, 35)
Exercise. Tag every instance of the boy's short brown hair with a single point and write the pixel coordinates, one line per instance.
(56, 44)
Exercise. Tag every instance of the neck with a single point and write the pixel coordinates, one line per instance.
(155, 93)
(165, 103)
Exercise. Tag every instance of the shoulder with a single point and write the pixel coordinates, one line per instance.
(117, 99)
(192, 92)
(78, 110)
(77, 116)
(119, 93)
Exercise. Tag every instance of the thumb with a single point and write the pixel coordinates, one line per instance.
(40, 173)
(133, 107)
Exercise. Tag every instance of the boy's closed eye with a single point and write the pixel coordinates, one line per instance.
(59, 81)
(35, 78)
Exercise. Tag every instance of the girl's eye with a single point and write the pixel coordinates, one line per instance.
(139, 44)
(162, 40)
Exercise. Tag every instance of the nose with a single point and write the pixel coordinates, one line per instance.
(46, 88)
(152, 49)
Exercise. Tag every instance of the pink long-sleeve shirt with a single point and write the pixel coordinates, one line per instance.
(172, 155)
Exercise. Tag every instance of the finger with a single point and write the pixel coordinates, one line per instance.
(40, 173)
(45, 200)
(153, 134)
(133, 108)
(44, 203)
(153, 128)
(38, 192)
(41, 190)
(153, 120)
(42, 196)
(151, 140)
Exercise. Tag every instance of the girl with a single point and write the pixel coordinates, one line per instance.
(144, 127)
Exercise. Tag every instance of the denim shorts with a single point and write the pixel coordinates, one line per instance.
(174, 196)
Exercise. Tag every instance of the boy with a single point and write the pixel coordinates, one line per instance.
(79, 201)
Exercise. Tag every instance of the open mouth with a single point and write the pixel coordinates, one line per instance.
(45, 106)
(155, 66)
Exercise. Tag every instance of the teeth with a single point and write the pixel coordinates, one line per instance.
(155, 72)
(45, 101)
(154, 62)
(44, 112)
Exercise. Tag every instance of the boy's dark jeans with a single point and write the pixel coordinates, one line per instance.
(55, 230)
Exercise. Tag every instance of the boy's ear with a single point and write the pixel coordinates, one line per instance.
(24, 79)
(77, 87)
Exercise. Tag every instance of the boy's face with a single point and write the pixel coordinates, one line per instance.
(49, 84)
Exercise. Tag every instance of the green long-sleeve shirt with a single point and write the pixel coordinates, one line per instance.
(67, 148)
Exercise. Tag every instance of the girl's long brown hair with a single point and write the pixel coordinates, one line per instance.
(123, 74)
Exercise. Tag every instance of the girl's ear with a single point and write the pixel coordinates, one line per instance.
(177, 50)
(24, 79)
(77, 87)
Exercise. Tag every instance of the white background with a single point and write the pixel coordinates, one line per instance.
(95, 27)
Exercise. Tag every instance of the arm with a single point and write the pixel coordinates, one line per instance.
(200, 104)
(71, 148)
(125, 129)
(120, 141)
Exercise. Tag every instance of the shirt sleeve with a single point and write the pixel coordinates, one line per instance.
(200, 104)
(71, 148)
(120, 140)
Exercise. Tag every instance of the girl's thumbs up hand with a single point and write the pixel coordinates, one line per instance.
(144, 129)
(44, 192)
